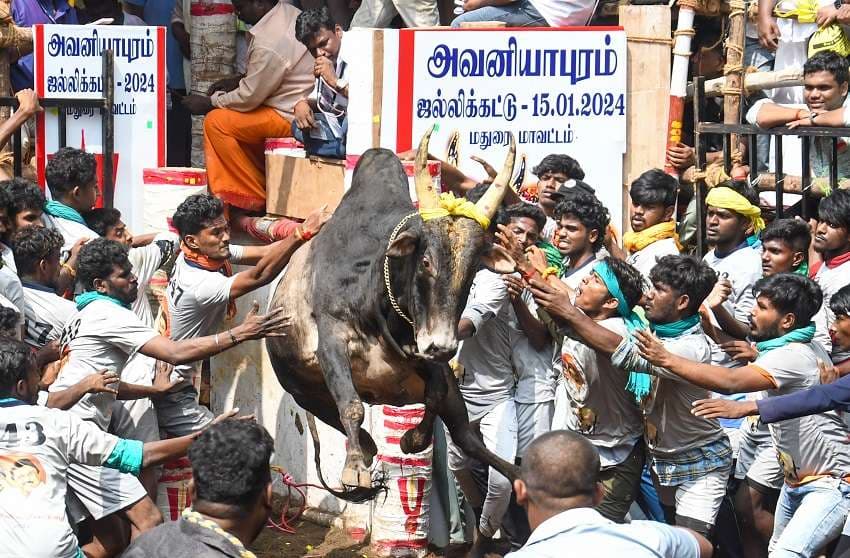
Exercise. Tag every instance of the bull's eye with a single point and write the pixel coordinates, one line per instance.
(426, 263)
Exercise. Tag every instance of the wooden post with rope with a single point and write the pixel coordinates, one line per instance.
(733, 71)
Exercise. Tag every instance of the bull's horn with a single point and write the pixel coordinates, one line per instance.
(492, 198)
(425, 193)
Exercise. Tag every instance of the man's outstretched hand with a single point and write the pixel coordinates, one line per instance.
(723, 408)
(554, 299)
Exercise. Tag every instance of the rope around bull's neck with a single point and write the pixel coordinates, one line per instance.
(387, 283)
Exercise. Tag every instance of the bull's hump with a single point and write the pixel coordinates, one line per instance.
(380, 175)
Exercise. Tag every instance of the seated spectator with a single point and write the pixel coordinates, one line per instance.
(381, 13)
(528, 13)
(825, 80)
(231, 497)
(321, 122)
(245, 110)
(558, 486)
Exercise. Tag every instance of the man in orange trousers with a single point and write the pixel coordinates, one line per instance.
(245, 110)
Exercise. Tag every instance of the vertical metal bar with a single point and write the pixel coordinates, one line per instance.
(754, 171)
(63, 126)
(806, 179)
(780, 177)
(108, 128)
(727, 153)
(17, 153)
(833, 164)
(699, 148)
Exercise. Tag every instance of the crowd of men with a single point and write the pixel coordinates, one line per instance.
(629, 380)
(81, 337)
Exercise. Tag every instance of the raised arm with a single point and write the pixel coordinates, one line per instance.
(715, 378)
(277, 256)
(27, 107)
(255, 326)
(559, 307)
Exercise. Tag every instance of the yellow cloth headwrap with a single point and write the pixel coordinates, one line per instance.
(727, 198)
(635, 241)
(458, 207)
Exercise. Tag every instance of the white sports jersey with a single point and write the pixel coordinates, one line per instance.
(101, 336)
(36, 446)
(71, 231)
(536, 375)
(197, 303)
(8, 257)
(830, 281)
(644, 260)
(47, 313)
(10, 287)
(146, 260)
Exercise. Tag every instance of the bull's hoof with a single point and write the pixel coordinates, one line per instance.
(352, 476)
(413, 441)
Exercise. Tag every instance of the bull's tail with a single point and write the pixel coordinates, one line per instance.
(356, 494)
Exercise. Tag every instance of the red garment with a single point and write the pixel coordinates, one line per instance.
(205, 262)
(831, 264)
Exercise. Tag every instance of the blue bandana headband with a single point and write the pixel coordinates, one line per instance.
(639, 384)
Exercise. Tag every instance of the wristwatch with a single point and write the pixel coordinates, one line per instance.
(838, 3)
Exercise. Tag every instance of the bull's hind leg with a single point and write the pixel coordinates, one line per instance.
(452, 410)
(336, 368)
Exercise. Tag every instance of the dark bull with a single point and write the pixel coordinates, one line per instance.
(375, 299)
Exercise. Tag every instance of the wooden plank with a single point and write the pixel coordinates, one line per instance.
(648, 89)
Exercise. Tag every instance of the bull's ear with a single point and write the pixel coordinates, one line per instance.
(403, 245)
(498, 260)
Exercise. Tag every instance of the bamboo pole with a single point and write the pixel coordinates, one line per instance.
(754, 81)
(733, 71)
(679, 77)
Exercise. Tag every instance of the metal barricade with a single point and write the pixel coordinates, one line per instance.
(806, 133)
(104, 104)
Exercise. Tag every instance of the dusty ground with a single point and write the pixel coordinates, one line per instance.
(311, 541)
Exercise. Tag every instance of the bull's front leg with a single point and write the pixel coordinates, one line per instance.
(336, 367)
(419, 437)
(452, 410)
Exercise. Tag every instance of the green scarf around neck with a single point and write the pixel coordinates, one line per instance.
(553, 257)
(88, 297)
(674, 329)
(800, 335)
(640, 383)
(59, 209)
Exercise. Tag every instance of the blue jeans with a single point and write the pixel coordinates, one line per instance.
(808, 517)
(333, 148)
(515, 14)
